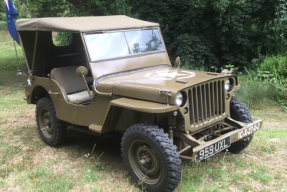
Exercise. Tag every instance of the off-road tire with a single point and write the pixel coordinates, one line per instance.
(58, 135)
(163, 147)
(239, 112)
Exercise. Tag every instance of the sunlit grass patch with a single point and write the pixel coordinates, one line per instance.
(261, 176)
(43, 179)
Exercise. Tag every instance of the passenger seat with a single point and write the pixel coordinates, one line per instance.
(74, 86)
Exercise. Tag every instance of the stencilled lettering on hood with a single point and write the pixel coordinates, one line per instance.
(170, 75)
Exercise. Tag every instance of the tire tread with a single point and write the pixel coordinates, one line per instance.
(239, 112)
(168, 150)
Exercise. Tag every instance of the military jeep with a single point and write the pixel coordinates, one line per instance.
(116, 76)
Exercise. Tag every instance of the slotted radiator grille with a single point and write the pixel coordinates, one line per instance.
(206, 101)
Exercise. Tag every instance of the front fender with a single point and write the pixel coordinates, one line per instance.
(143, 106)
(124, 112)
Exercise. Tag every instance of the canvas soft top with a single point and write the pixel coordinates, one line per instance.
(81, 24)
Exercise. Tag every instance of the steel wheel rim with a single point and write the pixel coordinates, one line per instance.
(144, 162)
(46, 123)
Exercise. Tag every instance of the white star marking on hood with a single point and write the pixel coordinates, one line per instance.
(169, 75)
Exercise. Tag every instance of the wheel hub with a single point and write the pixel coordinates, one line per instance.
(46, 123)
(145, 162)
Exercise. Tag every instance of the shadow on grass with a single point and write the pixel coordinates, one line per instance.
(106, 148)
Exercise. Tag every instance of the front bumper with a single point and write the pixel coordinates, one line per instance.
(236, 135)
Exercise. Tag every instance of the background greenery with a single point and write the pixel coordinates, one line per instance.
(210, 35)
(88, 163)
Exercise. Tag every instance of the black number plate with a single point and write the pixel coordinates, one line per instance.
(212, 149)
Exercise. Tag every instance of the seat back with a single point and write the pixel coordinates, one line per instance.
(67, 79)
(50, 63)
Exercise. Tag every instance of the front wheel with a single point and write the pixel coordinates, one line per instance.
(51, 129)
(151, 158)
(239, 112)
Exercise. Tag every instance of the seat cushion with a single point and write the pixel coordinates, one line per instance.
(80, 97)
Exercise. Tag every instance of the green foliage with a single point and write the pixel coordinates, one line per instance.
(255, 94)
(64, 38)
(265, 83)
(2, 12)
(216, 33)
(41, 8)
(271, 66)
(102, 7)
(273, 70)
(3, 23)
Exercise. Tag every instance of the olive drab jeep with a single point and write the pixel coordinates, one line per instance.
(116, 76)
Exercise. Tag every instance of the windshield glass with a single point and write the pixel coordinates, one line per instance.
(144, 41)
(119, 44)
(107, 45)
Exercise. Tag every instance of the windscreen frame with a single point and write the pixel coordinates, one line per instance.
(125, 56)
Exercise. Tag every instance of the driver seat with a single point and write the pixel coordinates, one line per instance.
(73, 87)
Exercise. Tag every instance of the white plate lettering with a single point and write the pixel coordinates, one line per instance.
(212, 149)
(248, 130)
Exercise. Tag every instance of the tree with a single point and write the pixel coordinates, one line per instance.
(41, 8)
(102, 7)
(3, 24)
(209, 33)
(216, 32)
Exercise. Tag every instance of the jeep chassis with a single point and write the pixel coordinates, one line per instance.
(116, 76)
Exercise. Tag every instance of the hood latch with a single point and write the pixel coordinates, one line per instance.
(165, 92)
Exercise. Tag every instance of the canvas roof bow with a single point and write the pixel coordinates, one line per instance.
(82, 24)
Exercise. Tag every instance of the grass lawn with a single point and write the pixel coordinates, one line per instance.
(90, 163)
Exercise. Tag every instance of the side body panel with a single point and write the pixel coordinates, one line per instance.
(94, 113)
(83, 115)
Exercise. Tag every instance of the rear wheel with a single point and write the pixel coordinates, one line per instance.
(151, 158)
(239, 112)
(51, 129)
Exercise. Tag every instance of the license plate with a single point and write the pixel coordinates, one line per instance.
(250, 129)
(212, 149)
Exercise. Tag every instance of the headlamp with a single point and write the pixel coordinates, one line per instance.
(229, 83)
(179, 99)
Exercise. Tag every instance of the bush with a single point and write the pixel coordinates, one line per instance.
(273, 65)
(3, 25)
(280, 85)
(255, 94)
(265, 84)
(64, 38)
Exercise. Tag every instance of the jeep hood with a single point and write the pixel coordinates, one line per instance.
(151, 84)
